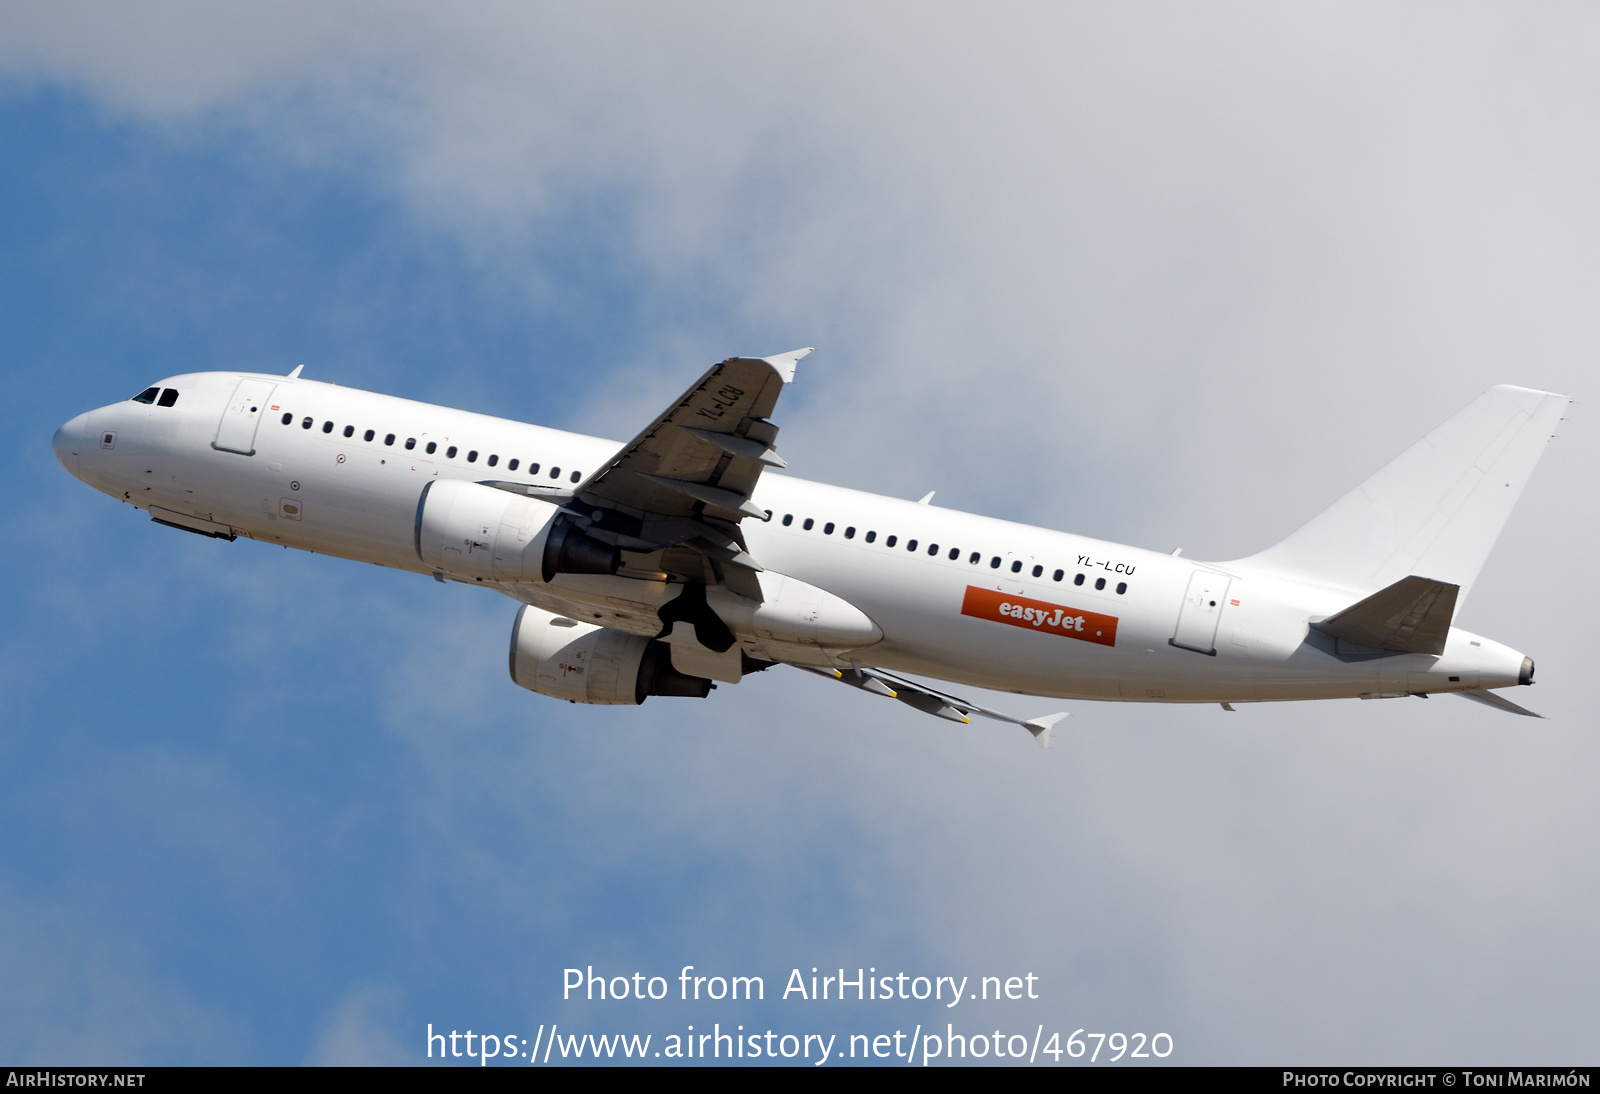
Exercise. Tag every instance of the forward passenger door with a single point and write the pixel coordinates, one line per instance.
(237, 430)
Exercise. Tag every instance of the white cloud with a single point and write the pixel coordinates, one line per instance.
(360, 1032)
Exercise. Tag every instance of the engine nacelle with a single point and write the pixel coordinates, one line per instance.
(471, 530)
(583, 663)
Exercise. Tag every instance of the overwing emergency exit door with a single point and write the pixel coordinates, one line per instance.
(1201, 612)
(237, 430)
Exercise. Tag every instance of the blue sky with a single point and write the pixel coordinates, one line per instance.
(218, 812)
(1170, 285)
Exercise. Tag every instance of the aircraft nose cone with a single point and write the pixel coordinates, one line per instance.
(66, 443)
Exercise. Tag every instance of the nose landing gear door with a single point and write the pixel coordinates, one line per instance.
(237, 430)
(1201, 612)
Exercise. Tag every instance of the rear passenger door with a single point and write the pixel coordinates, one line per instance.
(1201, 612)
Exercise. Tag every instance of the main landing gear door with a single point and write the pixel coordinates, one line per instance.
(237, 431)
(1201, 611)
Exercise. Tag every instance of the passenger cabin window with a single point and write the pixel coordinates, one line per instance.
(168, 397)
(994, 563)
(327, 427)
(389, 439)
(533, 469)
(368, 435)
(555, 472)
(1059, 574)
(827, 529)
(305, 423)
(349, 431)
(889, 542)
(976, 558)
(1016, 566)
(871, 536)
(809, 524)
(576, 475)
(1037, 570)
(492, 460)
(1099, 583)
(955, 553)
(788, 519)
(511, 464)
(850, 532)
(450, 453)
(411, 442)
(1078, 580)
(433, 446)
(472, 457)
(1122, 587)
(911, 546)
(148, 395)
(287, 418)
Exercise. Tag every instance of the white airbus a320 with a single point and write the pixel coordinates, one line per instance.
(681, 558)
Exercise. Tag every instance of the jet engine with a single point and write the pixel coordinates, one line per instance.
(583, 663)
(476, 531)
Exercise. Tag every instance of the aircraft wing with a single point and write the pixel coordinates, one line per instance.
(704, 455)
(930, 701)
(685, 482)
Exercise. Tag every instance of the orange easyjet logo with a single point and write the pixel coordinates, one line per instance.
(1020, 611)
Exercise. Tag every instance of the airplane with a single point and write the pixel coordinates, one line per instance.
(686, 558)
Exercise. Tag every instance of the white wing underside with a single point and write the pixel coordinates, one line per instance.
(930, 701)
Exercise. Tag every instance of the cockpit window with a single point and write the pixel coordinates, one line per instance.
(148, 395)
(168, 397)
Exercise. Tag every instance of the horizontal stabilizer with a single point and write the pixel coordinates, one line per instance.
(1412, 616)
(1499, 702)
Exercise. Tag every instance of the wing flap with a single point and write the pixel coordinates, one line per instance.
(733, 502)
(738, 446)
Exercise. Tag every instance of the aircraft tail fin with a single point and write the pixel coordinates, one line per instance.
(1436, 509)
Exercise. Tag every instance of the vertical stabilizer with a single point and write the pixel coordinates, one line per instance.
(1436, 509)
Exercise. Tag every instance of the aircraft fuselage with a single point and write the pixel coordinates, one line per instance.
(957, 596)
